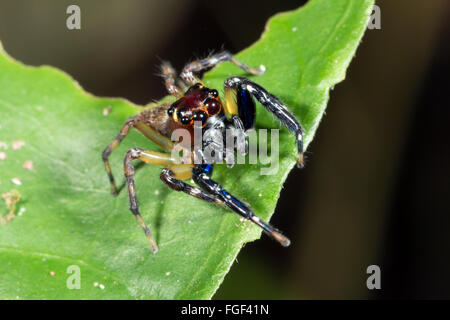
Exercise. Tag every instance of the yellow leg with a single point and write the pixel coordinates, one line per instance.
(153, 135)
(172, 176)
(150, 157)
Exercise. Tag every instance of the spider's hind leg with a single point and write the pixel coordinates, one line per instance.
(110, 148)
(143, 123)
(201, 176)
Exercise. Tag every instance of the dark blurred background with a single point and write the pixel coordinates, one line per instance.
(376, 186)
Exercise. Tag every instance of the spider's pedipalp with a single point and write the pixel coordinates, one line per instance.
(169, 75)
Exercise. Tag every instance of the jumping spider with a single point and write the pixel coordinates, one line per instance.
(198, 104)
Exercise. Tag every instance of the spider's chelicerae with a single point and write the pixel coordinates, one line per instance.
(200, 107)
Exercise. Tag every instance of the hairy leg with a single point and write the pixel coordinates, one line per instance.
(169, 76)
(188, 73)
(141, 122)
(110, 148)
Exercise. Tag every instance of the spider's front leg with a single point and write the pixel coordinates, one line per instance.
(201, 174)
(188, 73)
(238, 102)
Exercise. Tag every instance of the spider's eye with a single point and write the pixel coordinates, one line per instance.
(200, 116)
(214, 93)
(213, 106)
(185, 120)
(184, 117)
(173, 107)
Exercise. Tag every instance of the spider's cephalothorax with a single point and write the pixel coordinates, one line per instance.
(199, 107)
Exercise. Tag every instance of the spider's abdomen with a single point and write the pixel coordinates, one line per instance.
(156, 119)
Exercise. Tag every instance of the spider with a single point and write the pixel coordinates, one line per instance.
(198, 104)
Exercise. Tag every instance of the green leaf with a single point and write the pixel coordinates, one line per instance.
(67, 215)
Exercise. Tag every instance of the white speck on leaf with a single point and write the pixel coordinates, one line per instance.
(16, 145)
(28, 165)
(2, 156)
(107, 110)
(21, 211)
(16, 181)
